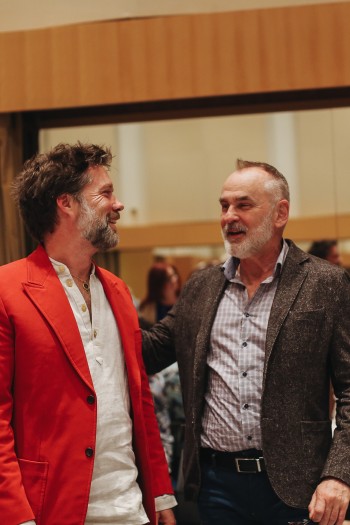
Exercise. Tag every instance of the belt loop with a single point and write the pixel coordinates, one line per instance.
(213, 459)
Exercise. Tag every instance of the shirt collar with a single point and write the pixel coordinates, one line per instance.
(62, 270)
(231, 265)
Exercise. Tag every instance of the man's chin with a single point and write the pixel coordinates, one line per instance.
(107, 244)
(236, 250)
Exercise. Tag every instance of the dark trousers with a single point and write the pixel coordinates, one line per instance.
(231, 498)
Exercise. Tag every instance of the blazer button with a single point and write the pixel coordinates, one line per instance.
(90, 399)
(89, 452)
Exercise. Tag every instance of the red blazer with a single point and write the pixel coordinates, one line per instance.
(46, 421)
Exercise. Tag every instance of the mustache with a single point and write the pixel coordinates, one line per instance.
(113, 216)
(234, 228)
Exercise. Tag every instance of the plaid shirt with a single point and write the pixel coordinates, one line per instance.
(231, 419)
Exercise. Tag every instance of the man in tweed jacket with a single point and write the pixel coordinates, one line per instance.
(258, 341)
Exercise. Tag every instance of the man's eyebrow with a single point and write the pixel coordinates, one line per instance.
(236, 199)
(107, 186)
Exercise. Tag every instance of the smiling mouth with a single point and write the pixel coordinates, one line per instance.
(113, 220)
(235, 233)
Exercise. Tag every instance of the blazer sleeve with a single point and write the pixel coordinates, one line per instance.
(14, 505)
(338, 461)
(158, 347)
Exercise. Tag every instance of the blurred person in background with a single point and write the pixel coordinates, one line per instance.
(327, 250)
(163, 289)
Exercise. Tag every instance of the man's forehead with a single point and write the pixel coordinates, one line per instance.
(246, 179)
(240, 186)
(99, 175)
(249, 174)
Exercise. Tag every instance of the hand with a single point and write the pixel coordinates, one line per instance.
(329, 502)
(166, 517)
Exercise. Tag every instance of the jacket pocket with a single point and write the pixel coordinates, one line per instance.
(316, 441)
(34, 477)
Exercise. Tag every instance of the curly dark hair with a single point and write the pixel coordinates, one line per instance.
(46, 176)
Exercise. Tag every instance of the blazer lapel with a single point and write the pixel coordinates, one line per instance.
(46, 292)
(126, 319)
(292, 277)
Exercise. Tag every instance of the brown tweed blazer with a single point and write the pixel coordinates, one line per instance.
(307, 344)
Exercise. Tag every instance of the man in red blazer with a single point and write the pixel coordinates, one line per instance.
(79, 442)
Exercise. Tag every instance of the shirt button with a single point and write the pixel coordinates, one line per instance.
(244, 344)
(246, 314)
(61, 269)
(245, 406)
(89, 452)
(90, 399)
(249, 438)
(95, 334)
(83, 308)
(69, 283)
(244, 374)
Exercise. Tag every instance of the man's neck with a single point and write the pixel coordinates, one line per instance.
(254, 270)
(76, 256)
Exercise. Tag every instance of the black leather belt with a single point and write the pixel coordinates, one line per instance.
(243, 462)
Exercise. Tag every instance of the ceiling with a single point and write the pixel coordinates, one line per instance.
(18, 15)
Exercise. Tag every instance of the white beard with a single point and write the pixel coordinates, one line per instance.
(253, 242)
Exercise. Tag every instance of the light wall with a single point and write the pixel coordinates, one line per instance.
(172, 171)
(169, 175)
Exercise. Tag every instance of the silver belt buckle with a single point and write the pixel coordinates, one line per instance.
(257, 461)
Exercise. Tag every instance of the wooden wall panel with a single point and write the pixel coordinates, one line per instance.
(208, 233)
(162, 58)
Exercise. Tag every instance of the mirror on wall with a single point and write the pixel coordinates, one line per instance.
(171, 172)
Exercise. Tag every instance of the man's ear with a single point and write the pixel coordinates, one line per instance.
(282, 213)
(65, 203)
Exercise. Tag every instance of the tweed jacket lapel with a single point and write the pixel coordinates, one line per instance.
(291, 279)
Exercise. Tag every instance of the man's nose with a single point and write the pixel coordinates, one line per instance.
(117, 205)
(230, 215)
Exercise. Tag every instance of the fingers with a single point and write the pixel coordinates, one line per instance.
(329, 502)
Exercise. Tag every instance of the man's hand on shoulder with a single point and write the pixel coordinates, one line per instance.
(329, 502)
(166, 517)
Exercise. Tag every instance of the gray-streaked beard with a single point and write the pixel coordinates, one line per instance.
(95, 229)
(253, 243)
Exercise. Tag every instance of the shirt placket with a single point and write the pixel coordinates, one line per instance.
(245, 365)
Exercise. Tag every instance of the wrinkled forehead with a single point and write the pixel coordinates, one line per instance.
(249, 181)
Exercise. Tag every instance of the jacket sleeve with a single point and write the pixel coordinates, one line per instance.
(14, 505)
(158, 346)
(338, 464)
